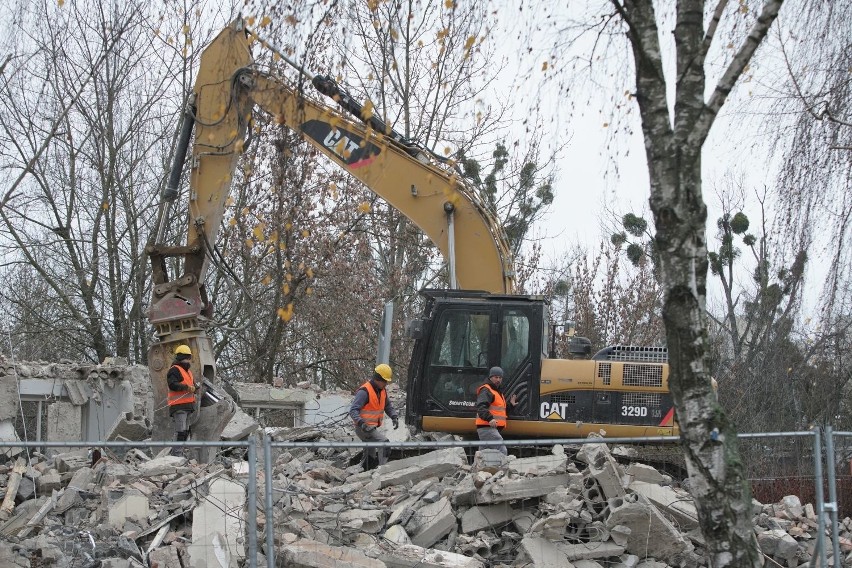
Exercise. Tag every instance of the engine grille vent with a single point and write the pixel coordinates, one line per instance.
(605, 372)
(642, 375)
(650, 399)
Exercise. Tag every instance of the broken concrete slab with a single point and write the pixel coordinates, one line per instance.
(165, 465)
(123, 505)
(305, 553)
(239, 427)
(416, 468)
(542, 553)
(431, 523)
(521, 488)
(590, 550)
(678, 505)
(412, 556)
(478, 518)
(652, 535)
(397, 535)
(217, 526)
(540, 465)
(641, 472)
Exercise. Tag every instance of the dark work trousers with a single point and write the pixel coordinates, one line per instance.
(489, 434)
(375, 455)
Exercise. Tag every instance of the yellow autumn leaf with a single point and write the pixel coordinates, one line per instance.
(258, 231)
(309, 291)
(449, 4)
(310, 272)
(367, 110)
(105, 205)
(232, 222)
(544, 66)
(229, 201)
(265, 21)
(249, 243)
(250, 20)
(60, 2)
(302, 266)
(245, 211)
(364, 207)
(285, 288)
(286, 313)
(266, 280)
(288, 225)
(288, 277)
(185, 29)
(469, 43)
(306, 233)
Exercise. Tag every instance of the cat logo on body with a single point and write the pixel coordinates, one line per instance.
(351, 148)
(554, 410)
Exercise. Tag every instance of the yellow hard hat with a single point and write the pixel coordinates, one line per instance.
(384, 371)
(183, 350)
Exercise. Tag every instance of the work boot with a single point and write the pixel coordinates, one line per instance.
(178, 450)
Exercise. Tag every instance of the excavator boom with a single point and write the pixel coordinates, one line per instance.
(229, 86)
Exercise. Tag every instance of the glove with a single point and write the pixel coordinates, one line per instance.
(367, 428)
(395, 422)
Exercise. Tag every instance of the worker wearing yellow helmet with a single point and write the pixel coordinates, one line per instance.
(368, 408)
(182, 389)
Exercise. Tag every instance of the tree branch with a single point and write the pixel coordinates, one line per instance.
(737, 66)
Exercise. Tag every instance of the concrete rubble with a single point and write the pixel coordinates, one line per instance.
(145, 510)
(583, 506)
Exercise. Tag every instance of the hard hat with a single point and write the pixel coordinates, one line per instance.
(183, 350)
(384, 371)
(495, 372)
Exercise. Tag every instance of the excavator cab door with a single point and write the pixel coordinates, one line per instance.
(458, 345)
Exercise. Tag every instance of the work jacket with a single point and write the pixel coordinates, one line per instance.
(497, 408)
(374, 410)
(181, 397)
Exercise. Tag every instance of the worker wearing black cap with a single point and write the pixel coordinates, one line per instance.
(492, 409)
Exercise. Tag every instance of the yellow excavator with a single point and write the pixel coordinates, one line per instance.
(464, 331)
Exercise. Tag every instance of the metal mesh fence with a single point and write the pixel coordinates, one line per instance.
(263, 502)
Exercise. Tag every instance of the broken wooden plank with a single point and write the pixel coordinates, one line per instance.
(41, 513)
(12, 488)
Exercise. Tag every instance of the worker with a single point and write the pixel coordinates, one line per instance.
(492, 409)
(367, 410)
(181, 394)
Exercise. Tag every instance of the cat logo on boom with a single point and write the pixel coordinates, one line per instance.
(351, 148)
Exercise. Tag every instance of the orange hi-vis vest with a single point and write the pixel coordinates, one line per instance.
(497, 408)
(182, 397)
(374, 410)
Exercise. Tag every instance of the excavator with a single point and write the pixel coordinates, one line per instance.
(476, 324)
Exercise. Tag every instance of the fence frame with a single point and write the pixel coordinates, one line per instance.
(251, 445)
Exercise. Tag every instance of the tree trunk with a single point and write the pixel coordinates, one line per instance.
(673, 148)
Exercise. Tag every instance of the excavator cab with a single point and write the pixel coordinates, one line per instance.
(462, 335)
(621, 390)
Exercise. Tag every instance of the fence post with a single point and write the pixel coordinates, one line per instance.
(252, 501)
(831, 506)
(819, 493)
(268, 511)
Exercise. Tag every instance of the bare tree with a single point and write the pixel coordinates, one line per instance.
(83, 125)
(673, 144)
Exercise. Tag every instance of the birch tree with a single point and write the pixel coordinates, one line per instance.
(674, 133)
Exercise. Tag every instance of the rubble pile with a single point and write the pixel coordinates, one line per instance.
(574, 506)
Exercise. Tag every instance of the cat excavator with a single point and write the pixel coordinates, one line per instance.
(476, 324)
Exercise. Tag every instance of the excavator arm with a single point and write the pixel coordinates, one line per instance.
(229, 86)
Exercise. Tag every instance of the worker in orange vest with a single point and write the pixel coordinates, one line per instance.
(368, 408)
(492, 410)
(182, 389)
